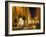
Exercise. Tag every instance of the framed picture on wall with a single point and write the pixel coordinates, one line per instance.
(24, 18)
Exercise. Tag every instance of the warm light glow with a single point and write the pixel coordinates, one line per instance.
(38, 21)
(33, 21)
(21, 21)
(29, 22)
